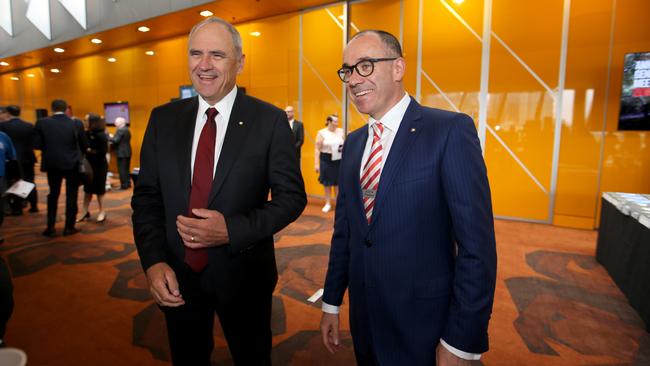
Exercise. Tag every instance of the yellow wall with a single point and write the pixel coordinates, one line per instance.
(520, 109)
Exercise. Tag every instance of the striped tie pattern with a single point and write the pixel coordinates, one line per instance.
(372, 170)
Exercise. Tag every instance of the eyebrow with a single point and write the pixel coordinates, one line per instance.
(213, 53)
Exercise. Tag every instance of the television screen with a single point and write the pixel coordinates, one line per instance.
(187, 91)
(635, 97)
(114, 110)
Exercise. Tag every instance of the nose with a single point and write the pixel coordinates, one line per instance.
(355, 79)
(204, 63)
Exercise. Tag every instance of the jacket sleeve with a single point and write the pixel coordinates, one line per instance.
(288, 197)
(467, 193)
(147, 203)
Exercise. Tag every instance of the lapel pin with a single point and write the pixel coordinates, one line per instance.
(241, 123)
(412, 129)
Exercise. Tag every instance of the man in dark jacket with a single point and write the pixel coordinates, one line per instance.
(61, 140)
(122, 142)
(22, 135)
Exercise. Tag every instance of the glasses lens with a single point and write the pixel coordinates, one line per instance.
(344, 74)
(365, 68)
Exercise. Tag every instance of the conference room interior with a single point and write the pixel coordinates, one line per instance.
(544, 81)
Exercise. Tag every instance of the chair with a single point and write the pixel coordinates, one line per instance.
(12, 357)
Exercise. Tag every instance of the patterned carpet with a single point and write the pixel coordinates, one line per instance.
(82, 300)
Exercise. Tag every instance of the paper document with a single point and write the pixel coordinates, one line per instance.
(21, 188)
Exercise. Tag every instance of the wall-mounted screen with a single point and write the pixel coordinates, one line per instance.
(635, 97)
(187, 91)
(114, 110)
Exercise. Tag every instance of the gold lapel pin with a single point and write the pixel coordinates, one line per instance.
(412, 129)
(241, 123)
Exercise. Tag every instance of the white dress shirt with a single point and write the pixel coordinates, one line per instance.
(391, 121)
(224, 107)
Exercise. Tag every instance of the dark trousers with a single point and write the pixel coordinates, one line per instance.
(123, 167)
(16, 203)
(245, 318)
(54, 179)
(6, 297)
(3, 188)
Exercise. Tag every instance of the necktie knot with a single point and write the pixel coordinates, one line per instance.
(378, 129)
(212, 113)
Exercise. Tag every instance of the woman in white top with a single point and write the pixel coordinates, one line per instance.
(329, 144)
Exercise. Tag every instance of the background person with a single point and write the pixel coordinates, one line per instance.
(329, 143)
(297, 128)
(122, 142)
(96, 155)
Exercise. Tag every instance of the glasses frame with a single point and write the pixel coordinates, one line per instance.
(342, 71)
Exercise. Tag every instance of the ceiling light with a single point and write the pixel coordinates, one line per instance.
(96, 40)
(112, 59)
(149, 53)
(2, 63)
(206, 13)
(56, 71)
(144, 29)
(59, 50)
(255, 34)
(30, 75)
(15, 78)
(458, 2)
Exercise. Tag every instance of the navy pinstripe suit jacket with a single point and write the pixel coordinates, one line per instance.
(425, 268)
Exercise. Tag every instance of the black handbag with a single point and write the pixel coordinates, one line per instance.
(84, 168)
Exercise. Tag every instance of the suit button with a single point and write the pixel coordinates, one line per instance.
(368, 243)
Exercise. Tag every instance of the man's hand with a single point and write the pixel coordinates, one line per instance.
(163, 285)
(207, 230)
(446, 358)
(329, 328)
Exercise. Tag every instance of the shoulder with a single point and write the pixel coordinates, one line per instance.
(439, 118)
(258, 105)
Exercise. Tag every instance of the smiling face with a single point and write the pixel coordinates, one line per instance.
(378, 92)
(213, 62)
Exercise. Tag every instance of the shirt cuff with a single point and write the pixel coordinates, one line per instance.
(456, 351)
(330, 309)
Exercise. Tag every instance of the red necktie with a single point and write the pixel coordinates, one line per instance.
(197, 259)
(372, 171)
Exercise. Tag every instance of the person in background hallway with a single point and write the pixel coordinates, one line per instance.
(413, 239)
(62, 142)
(329, 142)
(297, 128)
(122, 142)
(96, 155)
(4, 115)
(6, 299)
(7, 153)
(22, 135)
(202, 219)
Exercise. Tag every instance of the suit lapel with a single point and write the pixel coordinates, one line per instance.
(357, 150)
(240, 123)
(407, 133)
(186, 121)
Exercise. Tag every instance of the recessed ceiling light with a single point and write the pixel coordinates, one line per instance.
(144, 29)
(2, 63)
(206, 13)
(59, 50)
(56, 71)
(255, 34)
(112, 59)
(96, 40)
(30, 75)
(150, 53)
(15, 78)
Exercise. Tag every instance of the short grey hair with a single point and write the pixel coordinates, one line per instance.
(390, 41)
(236, 37)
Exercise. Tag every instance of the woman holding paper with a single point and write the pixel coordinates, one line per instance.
(329, 144)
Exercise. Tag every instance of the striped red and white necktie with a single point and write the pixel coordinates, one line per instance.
(372, 170)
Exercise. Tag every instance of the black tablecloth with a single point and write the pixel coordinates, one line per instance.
(624, 250)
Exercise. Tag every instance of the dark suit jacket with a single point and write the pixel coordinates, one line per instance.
(22, 135)
(122, 142)
(298, 135)
(55, 137)
(407, 285)
(258, 155)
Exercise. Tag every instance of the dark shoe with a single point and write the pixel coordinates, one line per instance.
(49, 232)
(16, 213)
(2, 240)
(84, 217)
(33, 210)
(70, 231)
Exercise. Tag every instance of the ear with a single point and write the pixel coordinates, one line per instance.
(240, 64)
(399, 69)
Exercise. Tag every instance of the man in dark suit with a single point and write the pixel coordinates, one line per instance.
(413, 238)
(297, 128)
(22, 135)
(122, 142)
(61, 141)
(202, 221)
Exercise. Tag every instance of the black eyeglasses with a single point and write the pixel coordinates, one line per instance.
(364, 68)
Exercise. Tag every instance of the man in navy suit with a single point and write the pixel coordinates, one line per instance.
(413, 238)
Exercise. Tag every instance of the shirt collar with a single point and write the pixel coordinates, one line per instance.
(224, 106)
(393, 118)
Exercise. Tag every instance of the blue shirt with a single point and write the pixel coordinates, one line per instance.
(7, 152)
